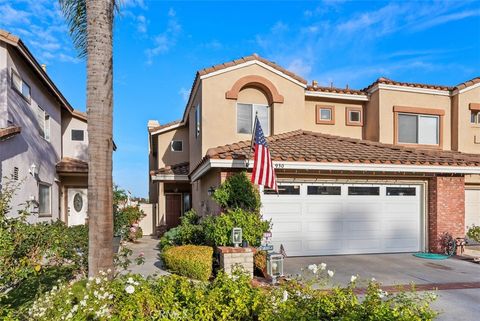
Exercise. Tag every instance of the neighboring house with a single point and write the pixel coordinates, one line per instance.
(43, 140)
(388, 168)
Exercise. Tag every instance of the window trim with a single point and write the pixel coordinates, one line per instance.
(171, 145)
(27, 99)
(49, 214)
(253, 118)
(418, 111)
(320, 121)
(348, 111)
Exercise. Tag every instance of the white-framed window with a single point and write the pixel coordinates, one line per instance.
(78, 135)
(475, 117)
(246, 118)
(325, 115)
(43, 123)
(354, 116)
(418, 129)
(176, 146)
(21, 86)
(44, 199)
(197, 121)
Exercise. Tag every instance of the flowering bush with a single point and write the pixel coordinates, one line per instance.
(132, 297)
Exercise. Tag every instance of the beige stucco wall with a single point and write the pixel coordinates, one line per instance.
(73, 148)
(165, 155)
(219, 114)
(340, 128)
(371, 125)
(468, 140)
(389, 98)
(202, 203)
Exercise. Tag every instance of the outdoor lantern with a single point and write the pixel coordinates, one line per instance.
(211, 190)
(236, 236)
(33, 170)
(275, 266)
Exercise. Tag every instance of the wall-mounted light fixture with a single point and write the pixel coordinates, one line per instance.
(211, 190)
(33, 170)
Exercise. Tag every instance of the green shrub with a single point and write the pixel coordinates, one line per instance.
(238, 192)
(132, 297)
(218, 229)
(474, 233)
(126, 222)
(189, 260)
(188, 232)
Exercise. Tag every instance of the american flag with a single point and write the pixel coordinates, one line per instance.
(263, 171)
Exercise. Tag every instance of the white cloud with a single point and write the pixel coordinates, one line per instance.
(11, 16)
(184, 93)
(141, 24)
(166, 40)
(133, 3)
(300, 67)
(442, 19)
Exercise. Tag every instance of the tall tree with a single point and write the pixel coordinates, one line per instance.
(91, 28)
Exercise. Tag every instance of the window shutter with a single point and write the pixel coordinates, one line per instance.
(244, 118)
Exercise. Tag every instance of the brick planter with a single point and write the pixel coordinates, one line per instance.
(236, 256)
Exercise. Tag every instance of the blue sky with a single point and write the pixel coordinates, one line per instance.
(160, 44)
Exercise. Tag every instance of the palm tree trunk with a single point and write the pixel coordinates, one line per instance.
(100, 148)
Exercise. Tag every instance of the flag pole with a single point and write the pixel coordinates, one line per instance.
(252, 140)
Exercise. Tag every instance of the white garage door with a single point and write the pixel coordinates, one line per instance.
(314, 219)
(472, 208)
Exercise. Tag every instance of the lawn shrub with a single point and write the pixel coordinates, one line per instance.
(132, 297)
(238, 192)
(192, 261)
(190, 231)
(474, 233)
(218, 229)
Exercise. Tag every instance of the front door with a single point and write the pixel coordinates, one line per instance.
(173, 209)
(77, 206)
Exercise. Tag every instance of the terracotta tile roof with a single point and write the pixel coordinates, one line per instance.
(306, 146)
(336, 90)
(468, 83)
(154, 129)
(72, 165)
(250, 58)
(10, 131)
(383, 80)
(177, 169)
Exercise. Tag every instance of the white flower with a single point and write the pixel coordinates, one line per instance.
(330, 273)
(374, 280)
(353, 278)
(322, 266)
(285, 296)
(129, 289)
(130, 280)
(313, 268)
(109, 271)
(97, 280)
(382, 294)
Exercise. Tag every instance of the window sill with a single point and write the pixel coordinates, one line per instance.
(44, 215)
(354, 124)
(28, 100)
(419, 146)
(326, 122)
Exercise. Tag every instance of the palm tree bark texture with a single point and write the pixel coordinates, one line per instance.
(100, 125)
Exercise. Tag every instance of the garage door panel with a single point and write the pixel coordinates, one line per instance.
(472, 208)
(345, 224)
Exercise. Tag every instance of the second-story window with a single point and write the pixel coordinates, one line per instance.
(197, 121)
(176, 145)
(354, 116)
(475, 117)
(325, 114)
(43, 123)
(78, 135)
(418, 129)
(246, 118)
(20, 86)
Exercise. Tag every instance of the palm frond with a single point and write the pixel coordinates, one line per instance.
(75, 12)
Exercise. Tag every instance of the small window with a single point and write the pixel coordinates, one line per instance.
(324, 190)
(78, 135)
(44, 200)
(43, 123)
(20, 86)
(401, 191)
(475, 117)
(176, 145)
(246, 118)
(325, 115)
(197, 121)
(364, 190)
(283, 190)
(354, 116)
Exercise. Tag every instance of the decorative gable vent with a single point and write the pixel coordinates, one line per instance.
(15, 173)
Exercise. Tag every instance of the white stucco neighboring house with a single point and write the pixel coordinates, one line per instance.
(43, 140)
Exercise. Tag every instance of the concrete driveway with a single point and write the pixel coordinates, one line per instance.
(458, 281)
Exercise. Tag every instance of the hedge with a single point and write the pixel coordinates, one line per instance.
(192, 261)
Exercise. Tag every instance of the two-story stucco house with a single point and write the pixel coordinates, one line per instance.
(43, 140)
(388, 168)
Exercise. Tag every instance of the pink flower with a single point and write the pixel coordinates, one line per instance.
(133, 230)
(141, 254)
